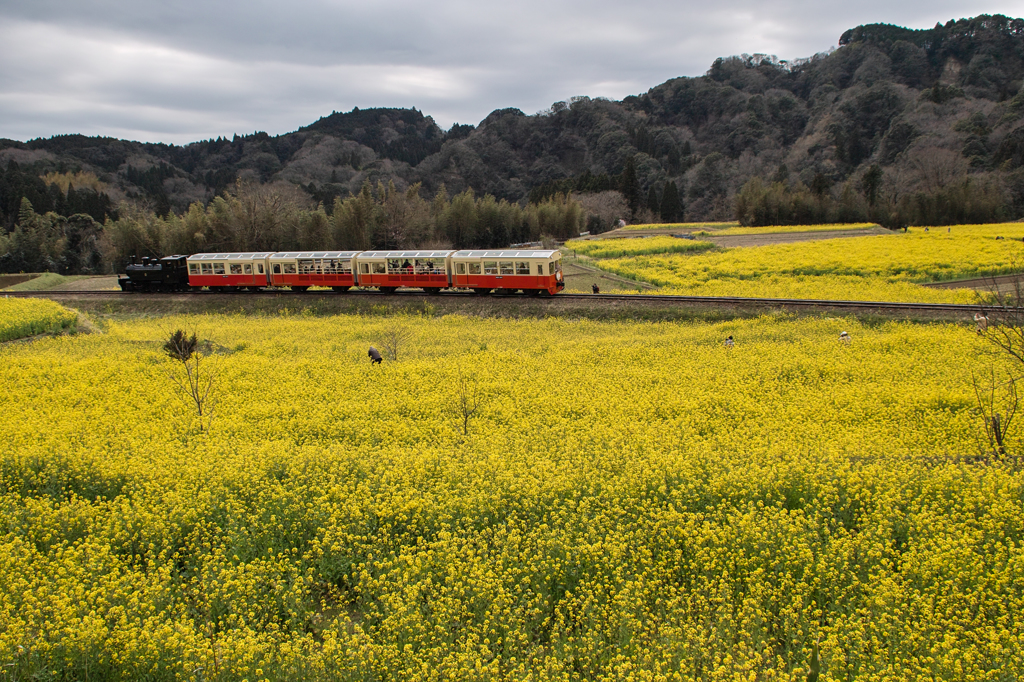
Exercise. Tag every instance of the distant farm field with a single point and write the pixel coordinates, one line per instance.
(623, 501)
(886, 267)
(21, 317)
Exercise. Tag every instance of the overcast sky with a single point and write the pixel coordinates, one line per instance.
(178, 71)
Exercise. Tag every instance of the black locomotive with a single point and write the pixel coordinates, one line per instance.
(169, 273)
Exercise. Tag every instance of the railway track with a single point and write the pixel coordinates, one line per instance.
(697, 301)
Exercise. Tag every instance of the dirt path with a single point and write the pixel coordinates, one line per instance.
(733, 240)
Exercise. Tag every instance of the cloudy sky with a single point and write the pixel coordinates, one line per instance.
(178, 71)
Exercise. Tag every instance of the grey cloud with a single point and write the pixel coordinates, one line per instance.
(182, 70)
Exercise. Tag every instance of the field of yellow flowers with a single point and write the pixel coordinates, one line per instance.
(618, 248)
(879, 267)
(632, 501)
(21, 317)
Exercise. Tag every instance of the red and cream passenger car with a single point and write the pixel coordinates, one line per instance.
(533, 272)
(301, 270)
(228, 270)
(388, 270)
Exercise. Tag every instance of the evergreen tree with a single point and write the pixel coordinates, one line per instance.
(871, 182)
(652, 199)
(671, 208)
(629, 185)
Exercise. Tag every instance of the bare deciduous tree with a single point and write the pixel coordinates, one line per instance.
(1001, 322)
(998, 403)
(466, 400)
(191, 374)
(394, 339)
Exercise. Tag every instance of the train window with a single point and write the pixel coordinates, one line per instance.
(426, 266)
(474, 268)
(378, 269)
(490, 267)
(460, 268)
(364, 268)
(277, 268)
(236, 268)
(305, 267)
(259, 268)
(540, 268)
(218, 268)
(207, 269)
(345, 267)
(522, 268)
(193, 268)
(505, 267)
(248, 268)
(289, 268)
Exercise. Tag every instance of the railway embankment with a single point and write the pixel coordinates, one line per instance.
(599, 306)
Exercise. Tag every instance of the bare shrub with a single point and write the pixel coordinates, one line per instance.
(191, 374)
(467, 398)
(602, 210)
(394, 339)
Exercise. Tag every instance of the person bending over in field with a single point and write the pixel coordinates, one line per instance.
(729, 343)
(596, 289)
(374, 354)
(844, 338)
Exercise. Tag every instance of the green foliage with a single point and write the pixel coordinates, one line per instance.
(629, 185)
(963, 201)
(180, 346)
(671, 209)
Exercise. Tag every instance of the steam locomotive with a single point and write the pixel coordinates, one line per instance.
(532, 272)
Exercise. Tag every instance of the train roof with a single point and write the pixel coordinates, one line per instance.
(504, 254)
(405, 254)
(230, 256)
(290, 255)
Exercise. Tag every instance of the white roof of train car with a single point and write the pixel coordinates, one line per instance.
(228, 256)
(292, 255)
(405, 254)
(504, 254)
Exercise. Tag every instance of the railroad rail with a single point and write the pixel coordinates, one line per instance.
(729, 301)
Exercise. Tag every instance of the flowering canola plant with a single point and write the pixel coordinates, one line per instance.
(21, 317)
(633, 501)
(878, 267)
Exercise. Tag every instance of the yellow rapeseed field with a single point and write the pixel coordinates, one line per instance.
(21, 317)
(633, 501)
(616, 248)
(879, 267)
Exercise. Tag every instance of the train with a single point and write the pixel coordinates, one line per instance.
(535, 273)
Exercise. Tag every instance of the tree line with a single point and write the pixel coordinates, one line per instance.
(280, 217)
(936, 191)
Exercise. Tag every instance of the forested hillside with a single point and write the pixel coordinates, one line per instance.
(897, 126)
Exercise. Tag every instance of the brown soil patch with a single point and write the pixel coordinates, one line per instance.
(11, 280)
(98, 283)
(579, 277)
